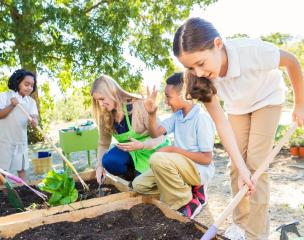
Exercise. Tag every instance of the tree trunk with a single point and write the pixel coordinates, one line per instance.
(25, 44)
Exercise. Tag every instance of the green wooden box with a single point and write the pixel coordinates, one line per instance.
(72, 141)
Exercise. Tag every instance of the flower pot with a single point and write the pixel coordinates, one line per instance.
(301, 152)
(294, 151)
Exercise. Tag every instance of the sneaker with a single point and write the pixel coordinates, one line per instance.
(234, 232)
(200, 193)
(191, 209)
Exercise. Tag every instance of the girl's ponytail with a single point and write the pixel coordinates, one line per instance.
(199, 88)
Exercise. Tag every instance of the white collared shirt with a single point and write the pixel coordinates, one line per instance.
(13, 128)
(253, 79)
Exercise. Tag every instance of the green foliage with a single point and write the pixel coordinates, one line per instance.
(280, 131)
(79, 40)
(301, 142)
(297, 138)
(46, 105)
(278, 39)
(33, 135)
(3, 84)
(293, 142)
(238, 35)
(61, 186)
(71, 108)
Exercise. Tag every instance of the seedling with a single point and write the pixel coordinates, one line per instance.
(61, 186)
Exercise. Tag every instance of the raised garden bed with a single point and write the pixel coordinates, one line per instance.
(112, 185)
(31, 201)
(125, 217)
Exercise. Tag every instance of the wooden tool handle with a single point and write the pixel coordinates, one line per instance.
(2, 179)
(68, 163)
(238, 197)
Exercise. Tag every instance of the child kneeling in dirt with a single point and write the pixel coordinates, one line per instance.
(179, 173)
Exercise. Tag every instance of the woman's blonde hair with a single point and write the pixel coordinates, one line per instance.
(108, 87)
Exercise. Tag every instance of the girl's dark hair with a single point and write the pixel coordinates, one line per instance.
(196, 34)
(17, 77)
(199, 88)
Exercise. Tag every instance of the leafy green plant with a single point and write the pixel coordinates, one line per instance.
(61, 186)
(301, 142)
(280, 132)
(294, 142)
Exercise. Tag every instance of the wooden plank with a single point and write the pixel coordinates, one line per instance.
(119, 183)
(10, 229)
(63, 208)
(87, 176)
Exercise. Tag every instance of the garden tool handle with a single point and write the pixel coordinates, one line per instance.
(11, 176)
(238, 197)
(242, 192)
(25, 112)
(68, 163)
(2, 179)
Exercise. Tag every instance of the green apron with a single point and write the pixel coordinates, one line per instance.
(140, 157)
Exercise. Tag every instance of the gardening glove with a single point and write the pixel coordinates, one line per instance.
(100, 174)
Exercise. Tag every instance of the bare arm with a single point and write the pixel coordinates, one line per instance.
(6, 111)
(293, 67)
(153, 128)
(34, 121)
(198, 157)
(104, 143)
(151, 108)
(228, 139)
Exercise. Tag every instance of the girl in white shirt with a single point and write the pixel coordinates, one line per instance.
(245, 74)
(13, 122)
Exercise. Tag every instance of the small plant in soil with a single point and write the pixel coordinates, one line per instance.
(61, 186)
(301, 147)
(33, 202)
(294, 142)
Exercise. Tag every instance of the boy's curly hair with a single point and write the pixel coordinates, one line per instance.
(199, 88)
(17, 77)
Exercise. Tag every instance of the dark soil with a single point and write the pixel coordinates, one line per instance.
(31, 200)
(141, 222)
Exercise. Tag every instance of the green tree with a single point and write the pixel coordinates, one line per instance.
(3, 84)
(278, 39)
(238, 35)
(79, 40)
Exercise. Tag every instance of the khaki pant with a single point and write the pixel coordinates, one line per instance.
(255, 134)
(172, 175)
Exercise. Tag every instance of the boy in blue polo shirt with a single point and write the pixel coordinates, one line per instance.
(181, 172)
